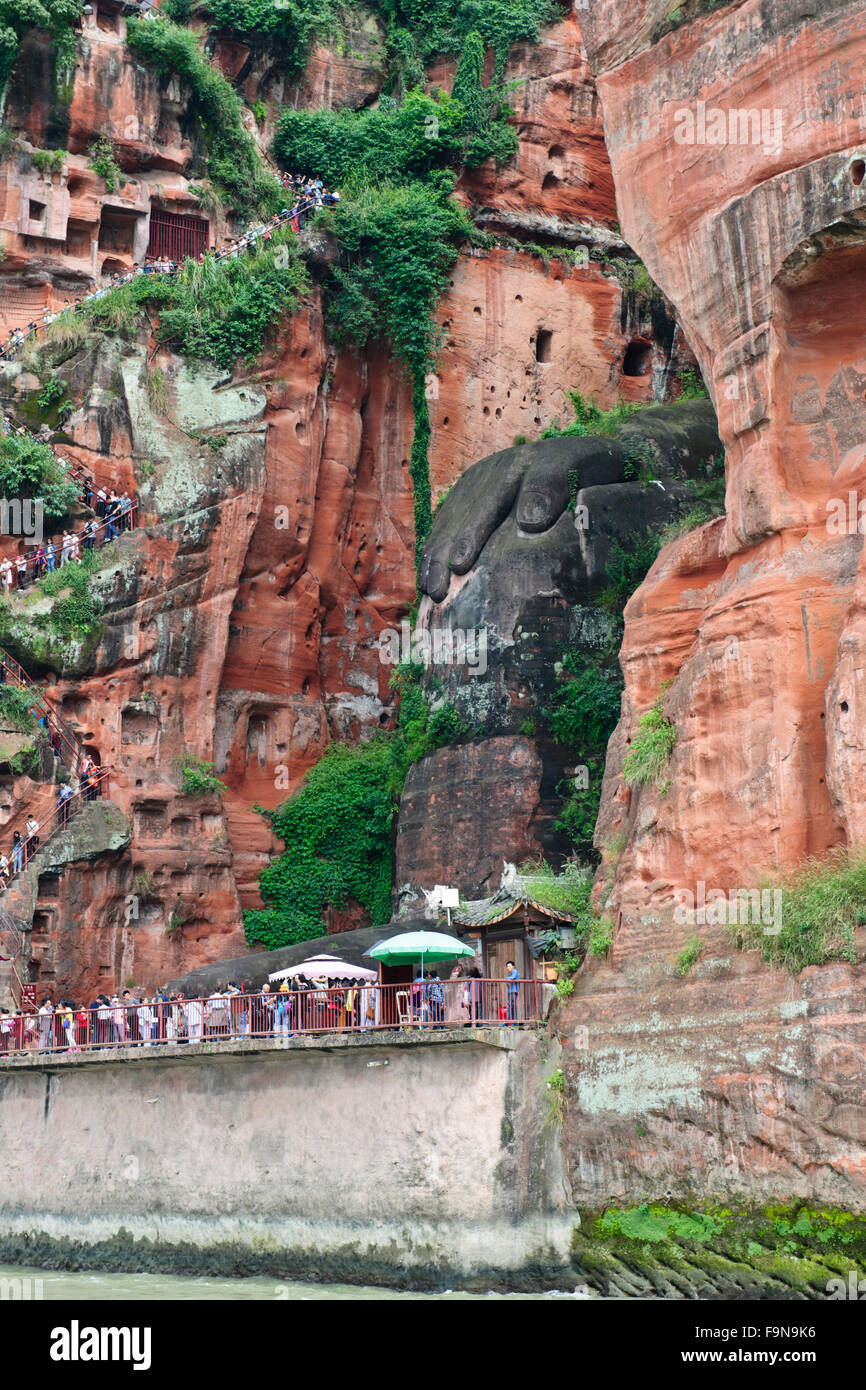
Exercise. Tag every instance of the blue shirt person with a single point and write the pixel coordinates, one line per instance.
(513, 977)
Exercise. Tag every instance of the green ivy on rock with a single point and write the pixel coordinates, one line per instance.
(17, 17)
(338, 828)
(289, 26)
(420, 30)
(234, 163)
(401, 241)
(581, 717)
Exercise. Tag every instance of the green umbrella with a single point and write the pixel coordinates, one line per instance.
(410, 946)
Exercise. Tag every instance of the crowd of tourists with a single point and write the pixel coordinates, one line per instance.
(26, 842)
(132, 1019)
(298, 1005)
(307, 196)
(462, 998)
(115, 512)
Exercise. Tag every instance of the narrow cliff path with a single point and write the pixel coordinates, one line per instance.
(43, 806)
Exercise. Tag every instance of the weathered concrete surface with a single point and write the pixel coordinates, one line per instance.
(417, 1159)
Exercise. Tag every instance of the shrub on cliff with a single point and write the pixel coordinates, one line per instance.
(822, 902)
(217, 311)
(585, 708)
(234, 162)
(418, 32)
(390, 142)
(568, 891)
(397, 142)
(338, 828)
(590, 419)
(76, 610)
(197, 777)
(626, 568)
(650, 753)
(337, 832)
(401, 242)
(15, 709)
(29, 469)
(103, 163)
(290, 26)
(581, 716)
(223, 310)
(467, 88)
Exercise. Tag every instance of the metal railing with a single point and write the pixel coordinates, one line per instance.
(294, 217)
(38, 565)
(95, 787)
(316, 1011)
(61, 736)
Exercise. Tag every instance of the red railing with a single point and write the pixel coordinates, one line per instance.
(294, 216)
(226, 1017)
(176, 234)
(60, 735)
(37, 567)
(58, 819)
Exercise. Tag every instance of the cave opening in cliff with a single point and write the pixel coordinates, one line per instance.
(107, 16)
(543, 345)
(77, 238)
(637, 358)
(858, 171)
(117, 230)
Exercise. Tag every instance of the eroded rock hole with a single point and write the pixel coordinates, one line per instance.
(543, 345)
(637, 359)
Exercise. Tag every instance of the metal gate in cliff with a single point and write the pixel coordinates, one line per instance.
(175, 235)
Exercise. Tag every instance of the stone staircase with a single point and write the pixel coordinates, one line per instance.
(43, 806)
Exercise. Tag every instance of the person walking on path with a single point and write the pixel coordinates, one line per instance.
(32, 842)
(194, 1020)
(64, 796)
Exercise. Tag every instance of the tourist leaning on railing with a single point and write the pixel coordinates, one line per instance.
(299, 1007)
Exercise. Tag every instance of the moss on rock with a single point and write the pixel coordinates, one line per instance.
(669, 1250)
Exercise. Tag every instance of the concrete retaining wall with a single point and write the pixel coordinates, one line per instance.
(403, 1159)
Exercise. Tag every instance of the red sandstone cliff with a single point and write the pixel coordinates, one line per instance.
(754, 1080)
(242, 624)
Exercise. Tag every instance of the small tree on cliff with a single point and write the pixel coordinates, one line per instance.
(467, 87)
